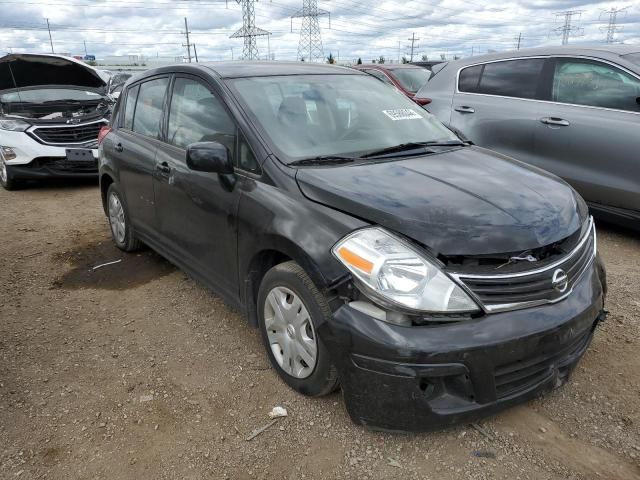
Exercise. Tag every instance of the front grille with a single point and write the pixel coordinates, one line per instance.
(62, 165)
(521, 375)
(68, 134)
(544, 285)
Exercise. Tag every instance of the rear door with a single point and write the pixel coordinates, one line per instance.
(134, 149)
(495, 105)
(197, 210)
(588, 133)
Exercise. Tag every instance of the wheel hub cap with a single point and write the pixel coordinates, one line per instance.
(291, 335)
(116, 218)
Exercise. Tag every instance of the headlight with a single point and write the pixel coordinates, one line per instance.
(13, 125)
(398, 273)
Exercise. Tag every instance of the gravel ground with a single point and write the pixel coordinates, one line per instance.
(134, 371)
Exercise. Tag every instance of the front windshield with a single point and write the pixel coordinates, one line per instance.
(42, 95)
(307, 116)
(411, 79)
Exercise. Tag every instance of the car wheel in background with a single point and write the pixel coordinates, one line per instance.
(121, 230)
(6, 177)
(290, 308)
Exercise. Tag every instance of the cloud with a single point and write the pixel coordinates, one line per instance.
(358, 28)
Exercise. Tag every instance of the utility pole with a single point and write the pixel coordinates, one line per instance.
(195, 52)
(413, 41)
(188, 45)
(613, 27)
(50, 39)
(249, 32)
(519, 39)
(85, 47)
(567, 30)
(310, 44)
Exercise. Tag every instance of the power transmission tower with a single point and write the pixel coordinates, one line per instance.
(567, 30)
(613, 27)
(310, 37)
(188, 45)
(413, 41)
(249, 31)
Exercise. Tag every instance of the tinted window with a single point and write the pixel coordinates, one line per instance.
(380, 76)
(130, 107)
(512, 78)
(469, 79)
(148, 114)
(595, 84)
(196, 115)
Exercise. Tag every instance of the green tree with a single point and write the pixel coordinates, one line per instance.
(405, 60)
(331, 59)
(359, 61)
(381, 59)
(425, 58)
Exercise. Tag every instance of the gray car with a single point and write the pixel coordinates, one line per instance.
(574, 111)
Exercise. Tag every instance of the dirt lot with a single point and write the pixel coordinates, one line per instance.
(134, 371)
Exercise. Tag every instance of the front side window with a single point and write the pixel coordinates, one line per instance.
(584, 82)
(511, 78)
(196, 115)
(148, 114)
(130, 107)
(306, 116)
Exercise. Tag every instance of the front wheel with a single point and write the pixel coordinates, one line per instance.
(6, 177)
(290, 308)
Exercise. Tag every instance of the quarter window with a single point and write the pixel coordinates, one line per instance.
(130, 107)
(596, 84)
(511, 78)
(148, 115)
(196, 115)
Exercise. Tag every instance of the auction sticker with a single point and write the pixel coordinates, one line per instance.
(402, 114)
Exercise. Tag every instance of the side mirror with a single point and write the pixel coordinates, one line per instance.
(209, 157)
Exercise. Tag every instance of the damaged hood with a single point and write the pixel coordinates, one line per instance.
(29, 71)
(467, 201)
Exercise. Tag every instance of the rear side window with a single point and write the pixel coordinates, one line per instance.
(196, 115)
(148, 113)
(130, 107)
(584, 82)
(470, 79)
(511, 78)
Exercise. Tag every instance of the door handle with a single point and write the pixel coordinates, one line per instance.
(464, 109)
(163, 168)
(118, 148)
(559, 122)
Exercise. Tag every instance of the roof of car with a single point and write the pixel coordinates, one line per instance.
(239, 69)
(387, 66)
(606, 51)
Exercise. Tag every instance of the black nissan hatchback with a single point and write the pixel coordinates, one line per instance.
(434, 282)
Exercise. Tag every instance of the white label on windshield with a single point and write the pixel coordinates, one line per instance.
(402, 114)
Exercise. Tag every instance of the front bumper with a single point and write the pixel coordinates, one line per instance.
(54, 167)
(423, 378)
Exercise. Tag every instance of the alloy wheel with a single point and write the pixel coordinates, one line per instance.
(3, 171)
(116, 218)
(290, 331)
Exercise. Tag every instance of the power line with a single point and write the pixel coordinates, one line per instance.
(249, 32)
(613, 27)
(567, 30)
(310, 35)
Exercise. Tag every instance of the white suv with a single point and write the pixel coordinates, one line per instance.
(51, 111)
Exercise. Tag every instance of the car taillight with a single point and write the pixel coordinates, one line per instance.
(422, 101)
(104, 131)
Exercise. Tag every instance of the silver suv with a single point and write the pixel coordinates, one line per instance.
(574, 111)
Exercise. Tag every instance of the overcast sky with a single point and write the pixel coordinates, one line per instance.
(358, 29)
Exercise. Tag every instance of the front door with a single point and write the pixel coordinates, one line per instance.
(197, 211)
(588, 134)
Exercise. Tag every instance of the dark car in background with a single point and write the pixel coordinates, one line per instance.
(435, 282)
(406, 78)
(574, 111)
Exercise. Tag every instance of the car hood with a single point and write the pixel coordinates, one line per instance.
(467, 201)
(27, 71)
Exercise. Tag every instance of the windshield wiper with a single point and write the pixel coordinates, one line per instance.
(323, 160)
(406, 147)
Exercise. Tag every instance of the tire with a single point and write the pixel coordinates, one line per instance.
(119, 223)
(289, 343)
(7, 179)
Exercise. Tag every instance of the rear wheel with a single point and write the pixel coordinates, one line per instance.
(6, 177)
(121, 230)
(290, 308)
